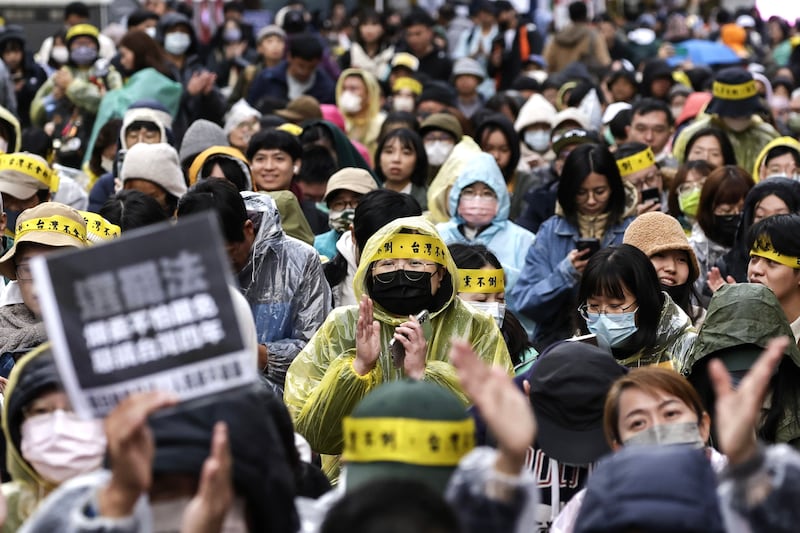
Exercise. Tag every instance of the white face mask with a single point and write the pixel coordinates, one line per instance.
(176, 43)
(61, 446)
(168, 516)
(496, 310)
(437, 152)
(151, 31)
(403, 103)
(59, 54)
(738, 124)
(539, 140)
(349, 102)
(664, 434)
(106, 164)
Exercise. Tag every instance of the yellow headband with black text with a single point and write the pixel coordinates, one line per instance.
(483, 281)
(53, 224)
(636, 162)
(412, 246)
(762, 247)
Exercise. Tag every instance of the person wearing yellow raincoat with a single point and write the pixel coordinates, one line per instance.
(358, 97)
(779, 158)
(336, 369)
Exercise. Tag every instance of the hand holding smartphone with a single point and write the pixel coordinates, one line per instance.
(397, 349)
(593, 245)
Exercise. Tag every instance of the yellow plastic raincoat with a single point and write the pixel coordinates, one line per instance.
(321, 386)
(365, 127)
(789, 142)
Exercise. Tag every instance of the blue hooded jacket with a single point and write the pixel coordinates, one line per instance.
(506, 240)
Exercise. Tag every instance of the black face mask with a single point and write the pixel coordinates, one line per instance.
(725, 227)
(401, 296)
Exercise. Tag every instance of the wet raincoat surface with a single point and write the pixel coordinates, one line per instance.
(284, 285)
(321, 385)
(27, 488)
(788, 142)
(747, 314)
(506, 240)
(675, 338)
(439, 189)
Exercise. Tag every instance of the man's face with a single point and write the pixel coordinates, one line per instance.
(14, 206)
(314, 192)
(651, 129)
(144, 133)
(272, 48)
(158, 7)
(12, 56)
(272, 170)
(419, 38)
(302, 69)
(239, 252)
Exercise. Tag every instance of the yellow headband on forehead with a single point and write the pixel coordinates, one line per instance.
(406, 440)
(53, 224)
(636, 162)
(31, 167)
(407, 83)
(411, 246)
(483, 281)
(762, 247)
(98, 228)
(741, 91)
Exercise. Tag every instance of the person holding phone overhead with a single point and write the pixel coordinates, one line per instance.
(405, 268)
(593, 203)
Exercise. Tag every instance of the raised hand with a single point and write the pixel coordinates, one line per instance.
(411, 336)
(368, 338)
(207, 510)
(715, 280)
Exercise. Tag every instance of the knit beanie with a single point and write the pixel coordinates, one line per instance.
(406, 430)
(143, 112)
(240, 112)
(658, 232)
(157, 163)
(202, 134)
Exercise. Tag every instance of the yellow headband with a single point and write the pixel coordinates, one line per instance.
(31, 167)
(290, 128)
(410, 246)
(636, 162)
(762, 247)
(53, 224)
(98, 228)
(407, 440)
(741, 91)
(481, 280)
(407, 83)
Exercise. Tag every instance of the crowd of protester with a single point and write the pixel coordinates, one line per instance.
(501, 268)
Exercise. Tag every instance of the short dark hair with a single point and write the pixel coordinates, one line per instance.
(272, 139)
(233, 6)
(612, 269)
(728, 154)
(645, 106)
(130, 209)
(408, 139)
(305, 46)
(221, 197)
(139, 16)
(780, 150)
(628, 149)
(318, 164)
(578, 12)
(398, 505)
(79, 9)
(782, 231)
(416, 17)
(582, 161)
(378, 208)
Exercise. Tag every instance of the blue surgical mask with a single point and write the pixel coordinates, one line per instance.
(612, 330)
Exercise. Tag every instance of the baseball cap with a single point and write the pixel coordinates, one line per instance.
(352, 179)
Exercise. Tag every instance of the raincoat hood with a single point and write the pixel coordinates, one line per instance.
(439, 189)
(7, 118)
(417, 225)
(293, 220)
(32, 374)
(788, 142)
(373, 92)
(227, 152)
(536, 110)
(346, 154)
(480, 168)
(742, 313)
(263, 212)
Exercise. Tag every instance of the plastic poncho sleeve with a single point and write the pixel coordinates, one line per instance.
(322, 388)
(547, 278)
(310, 305)
(37, 112)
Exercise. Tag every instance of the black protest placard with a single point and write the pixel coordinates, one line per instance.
(149, 311)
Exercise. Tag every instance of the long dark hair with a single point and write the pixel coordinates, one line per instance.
(408, 139)
(499, 122)
(147, 53)
(582, 161)
(478, 256)
(614, 269)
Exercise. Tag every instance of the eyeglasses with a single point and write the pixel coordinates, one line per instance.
(385, 270)
(613, 309)
(341, 205)
(471, 194)
(684, 188)
(24, 272)
(653, 179)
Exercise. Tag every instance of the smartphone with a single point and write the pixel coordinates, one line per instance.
(650, 194)
(593, 245)
(397, 349)
(591, 338)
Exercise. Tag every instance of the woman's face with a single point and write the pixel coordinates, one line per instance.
(611, 305)
(722, 210)
(397, 161)
(594, 194)
(496, 145)
(672, 267)
(126, 58)
(707, 149)
(492, 297)
(639, 410)
(371, 31)
(769, 206)
(784, 281)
